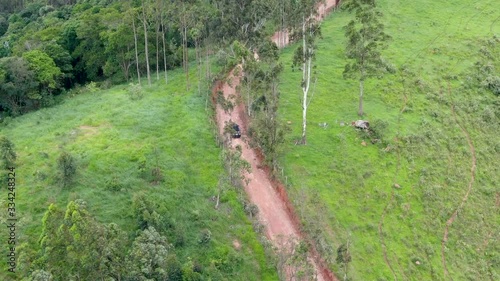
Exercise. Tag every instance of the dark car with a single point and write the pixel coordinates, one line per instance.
(236, 131)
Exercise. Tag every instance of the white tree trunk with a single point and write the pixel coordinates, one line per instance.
(164, 54)
(164, 47)
(306, 79)
(361, 91)
(146, 51)
(185, 53)
(157, 51)
(136, 52)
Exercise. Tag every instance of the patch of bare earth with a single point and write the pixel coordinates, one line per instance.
(88, 130)
(236, 244)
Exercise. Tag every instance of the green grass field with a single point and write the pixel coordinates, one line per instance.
(110, 136)
(344, 191)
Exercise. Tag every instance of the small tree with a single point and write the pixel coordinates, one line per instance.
(344, 257)
(41, 275)
(366, 40)
(67, 168)
(8, 155)
(235, 165)
(267, 130)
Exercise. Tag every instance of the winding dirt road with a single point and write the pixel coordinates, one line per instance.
(275, 210)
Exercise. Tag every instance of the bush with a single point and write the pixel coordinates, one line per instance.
(67, 168)
(376, 131)
(205, 236)
(113, 184)
(251, 209)
(378, 128)
(92, 87)
(492, 83)
(135, 91)
(7, 154)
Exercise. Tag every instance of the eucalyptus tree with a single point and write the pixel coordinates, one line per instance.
(145, 19)
(305, 27)
(366, 39)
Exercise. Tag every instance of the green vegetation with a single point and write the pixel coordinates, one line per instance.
(390, 200)
(8, 155)
(132, 173)
(136, 163)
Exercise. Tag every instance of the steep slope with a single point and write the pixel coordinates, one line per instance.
(432, 175)
(117, 143)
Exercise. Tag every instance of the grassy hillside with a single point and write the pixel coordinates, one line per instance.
(116, 143)
(344, 191)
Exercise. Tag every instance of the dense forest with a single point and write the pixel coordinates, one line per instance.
(50, 47)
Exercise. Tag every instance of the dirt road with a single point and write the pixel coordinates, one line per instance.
(275, 211)
(281, 38)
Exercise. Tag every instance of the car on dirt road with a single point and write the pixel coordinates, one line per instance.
(236, 131)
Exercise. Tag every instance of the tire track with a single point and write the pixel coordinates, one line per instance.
(398, 167)
(450, 221)
(381, 235)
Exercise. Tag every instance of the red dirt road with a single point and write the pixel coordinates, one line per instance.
(259, 189)
(281, 38)
(275, 211)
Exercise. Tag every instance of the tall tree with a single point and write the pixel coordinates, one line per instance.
(307, 29)
(242, 20)
(269, 131)
(18, 90)
(119, 44)
(44, 67)
(74, 246)
(163, 27)
(136, 51)
(184, 19)
(52, 248)
(145, 24)
(366, 40)
(91, 49)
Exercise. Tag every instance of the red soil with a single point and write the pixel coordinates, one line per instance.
(275, 210)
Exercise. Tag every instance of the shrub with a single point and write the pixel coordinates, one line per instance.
(145, 212)
(174, 268)
(205, 236)
(379, 128)
(67, 168)
(7, 154)
(113, 184)
(492, 83)
(251, 209)
(92, 87)
(135, 91)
